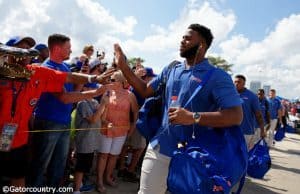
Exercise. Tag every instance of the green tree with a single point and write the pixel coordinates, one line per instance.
(133, 60)
(221, 63)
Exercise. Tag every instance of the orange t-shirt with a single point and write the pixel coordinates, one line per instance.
(42, 80)
(118, 113)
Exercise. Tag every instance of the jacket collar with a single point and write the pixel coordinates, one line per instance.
(204, 65)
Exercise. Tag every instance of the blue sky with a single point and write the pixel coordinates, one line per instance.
(261, 38)
(254, 17)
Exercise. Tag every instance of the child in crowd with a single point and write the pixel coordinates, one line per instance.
(88, 120)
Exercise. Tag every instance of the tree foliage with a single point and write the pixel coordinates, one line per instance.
(133, 60)
(221, 63)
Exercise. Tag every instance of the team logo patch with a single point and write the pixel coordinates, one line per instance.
(33, 101)
(193, 78)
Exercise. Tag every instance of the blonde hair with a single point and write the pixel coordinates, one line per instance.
(118, 76)
(87, 48)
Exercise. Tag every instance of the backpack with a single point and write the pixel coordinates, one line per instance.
(151, 113)
(259, 161)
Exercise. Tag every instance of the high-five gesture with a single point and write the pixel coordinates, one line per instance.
(103, 77)
(136, 82)
(120, 58)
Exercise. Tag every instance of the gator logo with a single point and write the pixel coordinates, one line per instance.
(33, 101)
(196, 79)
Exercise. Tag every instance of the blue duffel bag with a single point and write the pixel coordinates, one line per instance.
(259, 161)
(280, 134)
(204, 165)
(290, 129)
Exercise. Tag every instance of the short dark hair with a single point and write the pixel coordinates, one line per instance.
(241, 77)
(57, 39)
(273, 90)
(261, 90)
(204, 32)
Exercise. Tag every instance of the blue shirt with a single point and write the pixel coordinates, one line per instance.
(140, 100)
(49, 107)
(264, 107)
(275, 105)
(218, 93)
(250, 106)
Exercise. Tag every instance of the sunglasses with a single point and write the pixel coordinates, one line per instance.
(113, 80)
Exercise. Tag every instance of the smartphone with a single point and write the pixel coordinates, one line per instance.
(85, 65)
(86, 62)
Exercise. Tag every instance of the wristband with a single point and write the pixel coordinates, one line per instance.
(90, 79)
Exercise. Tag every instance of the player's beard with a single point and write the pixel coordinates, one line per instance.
(190, 52)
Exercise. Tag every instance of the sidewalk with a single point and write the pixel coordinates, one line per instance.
(283, 176)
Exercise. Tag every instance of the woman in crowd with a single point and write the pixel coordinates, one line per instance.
(117, 119)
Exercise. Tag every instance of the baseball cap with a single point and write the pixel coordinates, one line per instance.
(94, 62)
(40, 47)
(149, 72)
(16, 39)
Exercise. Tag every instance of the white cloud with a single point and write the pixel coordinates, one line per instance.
(98, 15)
(274, 60)
(85, 21)
(234, 46)
(23, 18)
(292, 62)
(160, 47)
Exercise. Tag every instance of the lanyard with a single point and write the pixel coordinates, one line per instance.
(206, 77)
(15, 94)
(200, 86)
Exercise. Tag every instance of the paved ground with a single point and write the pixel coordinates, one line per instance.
(285, 171)
(282, 178)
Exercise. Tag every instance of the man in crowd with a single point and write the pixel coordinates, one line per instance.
(275, 112)
(53, 112)
(265, 110)
(17, 101)
(44, 53)
(217, 105)
(251, 111)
